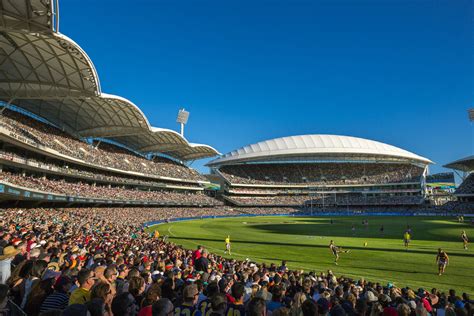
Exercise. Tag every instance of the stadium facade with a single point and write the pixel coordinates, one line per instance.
(322, 171)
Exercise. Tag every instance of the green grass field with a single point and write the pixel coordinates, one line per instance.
(303, 242)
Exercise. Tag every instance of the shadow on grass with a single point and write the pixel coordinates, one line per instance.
(324, 247)
(394, 228)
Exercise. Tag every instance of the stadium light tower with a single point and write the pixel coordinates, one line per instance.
(182, 119)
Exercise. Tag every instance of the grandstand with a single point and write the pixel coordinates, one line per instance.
(63, 141)
(465, 192)
(321, 171)
(85, 180)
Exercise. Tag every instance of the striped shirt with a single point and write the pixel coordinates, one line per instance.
(57, 300)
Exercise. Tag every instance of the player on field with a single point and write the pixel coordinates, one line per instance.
(336, 251)
(465, 240)
(227, 245)
(442, 259)
(381, 230)
(406, 239)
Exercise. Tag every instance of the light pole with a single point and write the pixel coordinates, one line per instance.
(182, 119)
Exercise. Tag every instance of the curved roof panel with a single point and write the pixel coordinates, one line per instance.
(48, 74)
(27, 15)
(115, 118)
(44, 66)
(314, 146)
(464, 164)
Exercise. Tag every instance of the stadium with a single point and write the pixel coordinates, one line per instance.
(322, 171)
(101, 213)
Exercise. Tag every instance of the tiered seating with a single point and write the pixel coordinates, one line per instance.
(467, 186)
(103, 192)
(322, 173)
(84, 172)
(103, 154)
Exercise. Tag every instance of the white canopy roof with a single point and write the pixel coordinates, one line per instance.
(464, 164)
(48, 74)
(316, 146)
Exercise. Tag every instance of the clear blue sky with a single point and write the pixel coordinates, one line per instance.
(400, 72)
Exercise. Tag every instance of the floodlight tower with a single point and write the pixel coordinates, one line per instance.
(182, 119)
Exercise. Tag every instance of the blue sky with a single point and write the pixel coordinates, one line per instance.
(400, 72)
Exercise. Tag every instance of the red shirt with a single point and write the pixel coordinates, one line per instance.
(145, 311)
(196, 255)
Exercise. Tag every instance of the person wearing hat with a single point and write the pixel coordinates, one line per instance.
(5, 263)
(190, 299)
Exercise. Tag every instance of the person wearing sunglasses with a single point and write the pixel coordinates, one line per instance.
(86, 279)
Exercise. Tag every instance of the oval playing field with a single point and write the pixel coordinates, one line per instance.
(303, 242)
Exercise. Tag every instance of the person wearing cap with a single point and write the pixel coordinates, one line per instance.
(59, 299)
(86, 279)
(190, 298)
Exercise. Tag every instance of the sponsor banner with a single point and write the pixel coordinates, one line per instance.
(37, 195)
(13, 191)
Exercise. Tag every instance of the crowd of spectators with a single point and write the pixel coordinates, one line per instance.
(467, 186)
(85, 190)
(458, 206)
(322, 173)
(102, 262)
(103, 154)
(86, 173)
(328, 200)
